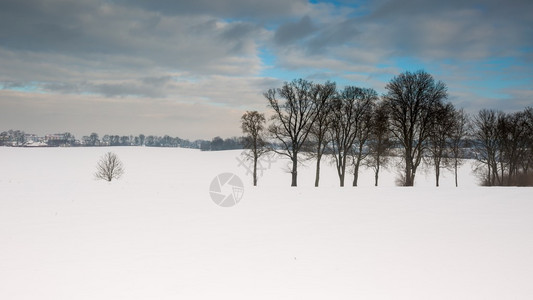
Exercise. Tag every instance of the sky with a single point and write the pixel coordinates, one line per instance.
(192, 68)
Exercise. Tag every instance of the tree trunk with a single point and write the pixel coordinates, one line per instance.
(408, 180)
(342, 172)
(408, 175)
(413, 174)
(355, 174)
(376, 176)
(502, 182)
(294, 172)
(455, 168)
(489, 174)
(317, 175)
(408, 170)
(255, 169)
(437, 175)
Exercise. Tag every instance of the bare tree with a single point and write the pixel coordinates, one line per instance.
(363, 126)
(125, 140)
(485, 137)
(457, 142)
(109, 167)
(503, 146)
(528, 161)
(411, 99)
(252, 124)
(513, 140)
(380, 141)
(349, 108)
(293, 119)
(93, 139)
(439, 136)
(318, 134)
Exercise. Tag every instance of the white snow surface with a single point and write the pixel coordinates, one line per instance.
(156, 234)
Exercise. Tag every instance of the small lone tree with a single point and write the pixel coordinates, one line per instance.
(109, 167)
(253, 124)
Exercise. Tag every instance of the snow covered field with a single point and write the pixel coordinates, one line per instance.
(156, 233)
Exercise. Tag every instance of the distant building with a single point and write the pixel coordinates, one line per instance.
(31, 138)
(57, 139)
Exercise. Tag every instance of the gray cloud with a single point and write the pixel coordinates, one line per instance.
(344, 32)
(316, 36)
(173, 54)
(97, 30)
(157, 81)
(8, 84)
(257, 9)
(294, 31)
(110, 49)
(454, 29)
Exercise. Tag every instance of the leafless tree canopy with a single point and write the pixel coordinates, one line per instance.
(380, 141)
(318, 135)
(351, 109)
(412, 99)
(296, 105)
(412, 119)
(109, 167)
(440, 133)
(503, 144)
(485, 136)
(366, 102)
(457, 142)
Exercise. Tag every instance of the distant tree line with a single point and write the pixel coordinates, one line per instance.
(218, 144)
(412, 120)
(12, 138)
(18, 138)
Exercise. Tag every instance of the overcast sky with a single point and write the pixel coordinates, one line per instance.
(191, 68)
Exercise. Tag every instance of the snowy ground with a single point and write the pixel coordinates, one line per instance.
(156, 234)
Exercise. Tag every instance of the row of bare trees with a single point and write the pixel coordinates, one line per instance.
(504, 146)
(355, 127)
